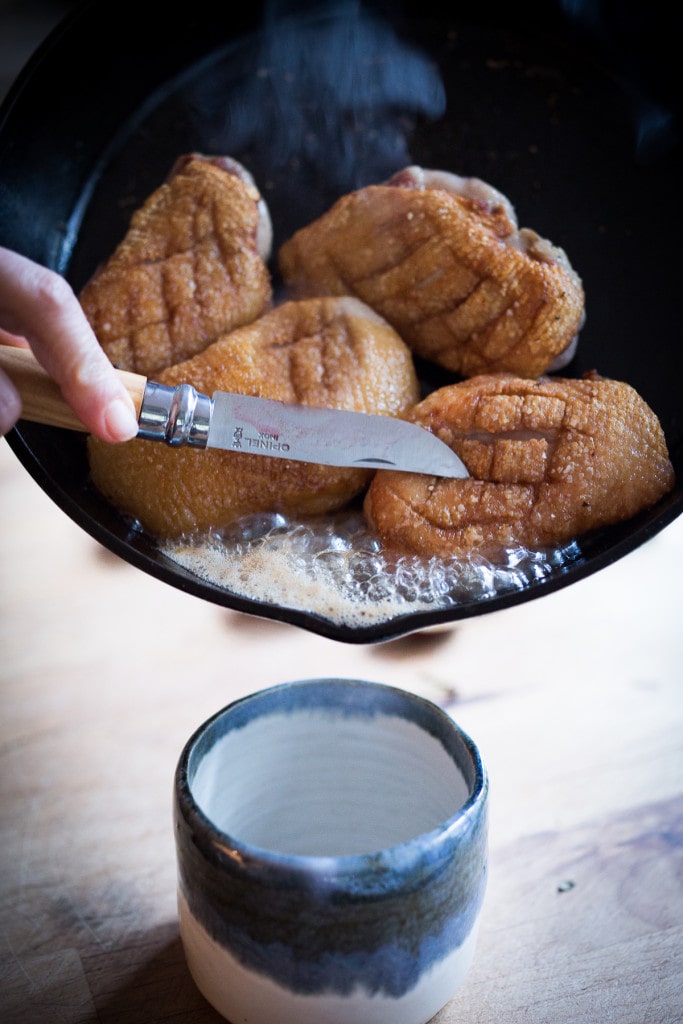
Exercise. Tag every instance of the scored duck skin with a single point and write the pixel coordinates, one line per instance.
(442, 259)
(191, 267)
(333, 353)
(549, 460)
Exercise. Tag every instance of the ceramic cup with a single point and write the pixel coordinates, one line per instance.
(331, 839)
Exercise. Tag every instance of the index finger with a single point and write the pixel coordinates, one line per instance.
(38, 304)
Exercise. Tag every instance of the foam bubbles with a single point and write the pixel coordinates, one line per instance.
(335, 568)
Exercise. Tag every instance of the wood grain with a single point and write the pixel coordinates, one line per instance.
(575, 700)
(41, 398)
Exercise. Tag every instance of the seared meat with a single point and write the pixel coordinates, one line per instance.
(441, 258)
(191, 267)
(549, 460)
(333, 353)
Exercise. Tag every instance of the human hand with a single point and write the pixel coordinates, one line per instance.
(39, 310)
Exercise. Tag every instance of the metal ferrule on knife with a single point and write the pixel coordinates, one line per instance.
(177, 415)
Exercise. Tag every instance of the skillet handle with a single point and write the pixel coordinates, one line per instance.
(40, 395)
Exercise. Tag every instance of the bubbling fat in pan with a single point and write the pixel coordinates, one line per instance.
(428, 264)
(550, 460)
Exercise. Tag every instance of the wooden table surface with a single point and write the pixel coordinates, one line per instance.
(575, 700)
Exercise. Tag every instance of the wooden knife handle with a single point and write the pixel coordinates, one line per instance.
(41, 398)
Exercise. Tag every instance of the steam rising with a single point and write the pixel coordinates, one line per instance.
(326, 104)
(635, 38)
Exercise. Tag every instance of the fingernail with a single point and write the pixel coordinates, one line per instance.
(120, 420)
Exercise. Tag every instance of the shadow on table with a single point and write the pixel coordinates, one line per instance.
(159, 991)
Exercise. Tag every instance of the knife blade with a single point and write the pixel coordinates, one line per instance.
(181, 415)
(334, 437)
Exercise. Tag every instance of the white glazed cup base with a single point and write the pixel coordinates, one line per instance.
(251, 998)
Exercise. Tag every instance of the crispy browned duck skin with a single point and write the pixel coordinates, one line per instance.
(190, 268)
(549, 460)
(333, 353)
(441, 258)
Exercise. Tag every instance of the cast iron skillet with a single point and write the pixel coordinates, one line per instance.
(572, 118)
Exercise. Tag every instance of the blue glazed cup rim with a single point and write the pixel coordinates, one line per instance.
(402, 859)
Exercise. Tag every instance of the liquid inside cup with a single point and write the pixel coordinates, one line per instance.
(314, 782)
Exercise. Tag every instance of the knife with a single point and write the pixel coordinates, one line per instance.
(245, 423)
